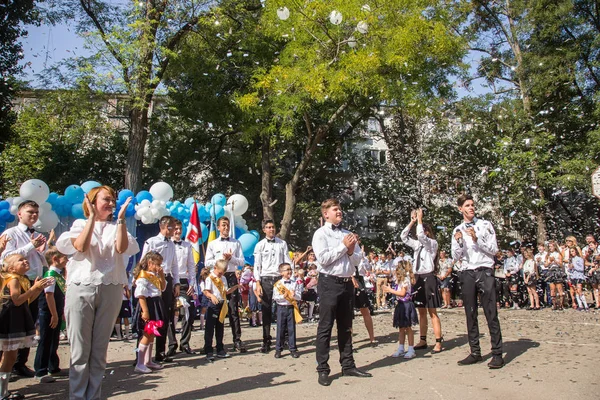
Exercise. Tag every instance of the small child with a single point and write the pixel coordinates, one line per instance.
(286, 293)
(215, 289)
(310, 290)
(51, 310)
(150, 312)
(124, 315)
(202, 299)
(17, 327)
(405, 314)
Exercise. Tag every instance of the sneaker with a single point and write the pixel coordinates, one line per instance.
(470, 359)
(45, 379)
(496, 363)
(210, 357)
(154, 366)
(410, 354)
(399, 352)
(142, 369)
(223, 354)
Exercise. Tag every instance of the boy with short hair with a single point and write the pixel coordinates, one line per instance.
(216, 290)
(286, 293)
(51, 309)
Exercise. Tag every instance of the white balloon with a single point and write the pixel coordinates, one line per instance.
(336, 17)
(239, 204)
(46, 221)
(154, 213)
(161, 191)
(362, 27)
(17, 200)
(145, 203)
(34, 189)
(283, 13)
(146, 220)
(14, 210)
(156, 203)
(45, 207)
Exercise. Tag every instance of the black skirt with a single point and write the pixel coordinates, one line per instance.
(556, 275)
(157, 311)
(17, 328)
(426, 291)
(125, 309)
(310, 295)
(405, 315)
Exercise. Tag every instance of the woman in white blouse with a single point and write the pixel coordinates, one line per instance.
(100, 248)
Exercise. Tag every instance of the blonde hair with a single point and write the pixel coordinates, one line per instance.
(221, 265)
(10, 260)
(51, 253)
(327, 204)
(403, 270)
(93, 194)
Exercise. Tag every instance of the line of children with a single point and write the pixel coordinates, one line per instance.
(17, 327)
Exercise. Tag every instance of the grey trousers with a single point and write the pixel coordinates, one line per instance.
(90, 312)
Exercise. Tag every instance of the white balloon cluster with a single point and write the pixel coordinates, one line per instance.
(38, 191)
(150, 212)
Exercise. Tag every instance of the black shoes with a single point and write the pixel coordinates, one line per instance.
(356, 372)
(239, 346)
(162, 357)
(294, 354)
(265, 348)
(187, 350)
(277, 354)
(471, 359)
(496, 363)
(23, 370)
(172, 351)
(324, 379)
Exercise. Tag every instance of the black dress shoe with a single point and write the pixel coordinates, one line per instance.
(324, 379)
(239, 346)
(277, 354)
(172, 351)
(470, 359)
(496, 362)
(295, 354)
(188, 350)
(265, 348)
(24, 371)
(162, 357)
(356, 372)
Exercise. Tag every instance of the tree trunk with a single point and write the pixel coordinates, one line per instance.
(135, 151)
(266, 194)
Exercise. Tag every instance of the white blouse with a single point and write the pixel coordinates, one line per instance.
(143, 287)
(100, 264)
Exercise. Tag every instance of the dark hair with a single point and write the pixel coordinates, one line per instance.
(462, 198)
(266, 222)
(29, 203)
(177, 222)
(143, 264)
(51, 253)
(166, 220)
(284, 265)
(222, 219)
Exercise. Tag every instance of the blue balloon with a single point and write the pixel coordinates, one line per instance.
(77, 211)
(130, 212)
(4, 205)
(89, 185)
(202, 214)
(250, 259)
(2, 226)
(143, 195)
(189, 201)
(74, 194)
(204, 230)
(255, 234)
(62, 201)
(4, 214)
(124, 194)
(248, 242)
(238, 231)
(219, 199)
(10, 219)
(217, 211)
(52, 198)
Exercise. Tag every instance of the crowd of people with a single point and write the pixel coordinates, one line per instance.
(79, 275)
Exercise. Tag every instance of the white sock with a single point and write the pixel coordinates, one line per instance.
(584, 301)
(118, 330)
(311, 309)
(578, 298)
(127, 330)
(411, 349)
(142, 354)
(401, 348)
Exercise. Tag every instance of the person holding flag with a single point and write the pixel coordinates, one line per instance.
(187, 287)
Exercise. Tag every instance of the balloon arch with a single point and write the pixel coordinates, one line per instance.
(148, 206)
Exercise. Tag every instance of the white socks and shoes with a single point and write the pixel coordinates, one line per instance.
(410, 353)
(399, 352)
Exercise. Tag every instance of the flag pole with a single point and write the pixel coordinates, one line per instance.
(200, 227)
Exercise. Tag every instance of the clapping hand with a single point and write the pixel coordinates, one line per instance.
(123, 209)
(91, 207)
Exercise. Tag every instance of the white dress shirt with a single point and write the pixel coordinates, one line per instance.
(20, 243)
(425, 250)
(166, 248)
(144, 288)
(332, 254)
(186, 266)
(267, 257)
(211, 287)
(219, 246)
(364, 267)
(475, 254)
(382, 266)
(100, 264)
(511, 265)
(540, 259)
(292, 286)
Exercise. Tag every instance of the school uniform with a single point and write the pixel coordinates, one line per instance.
(46, 357)
(285, 311)
(214, 252)
(478, 278)
(426, 291)
(268, 255)
(336, 292)
(213, 326)
(166, 248)
(186, 267)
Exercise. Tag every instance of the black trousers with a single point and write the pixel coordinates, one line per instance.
(502, 291)
(46, 357)
(267, 283)
(23, 354)
(335, 305)
(286, 326)
(233, 301)
(169, 330)
(213, 328)
(481, 281)
(188, 324)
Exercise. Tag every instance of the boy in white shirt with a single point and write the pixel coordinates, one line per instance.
(286, 293)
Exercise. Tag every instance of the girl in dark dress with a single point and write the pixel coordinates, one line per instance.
(17, 327)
